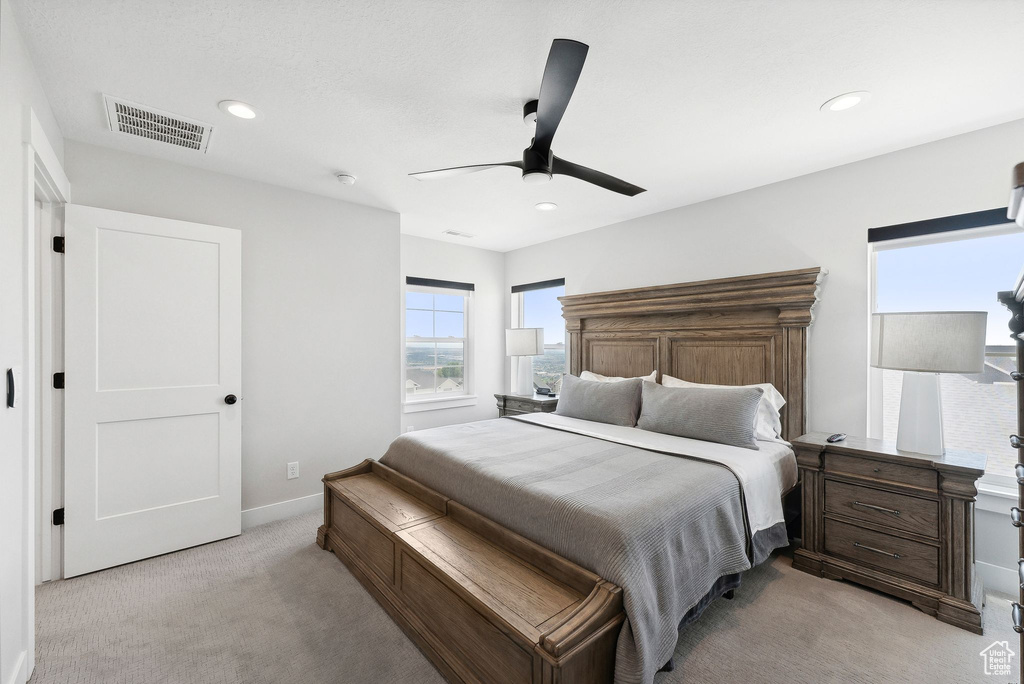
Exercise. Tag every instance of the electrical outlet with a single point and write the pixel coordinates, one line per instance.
(293, 470)
(409, 428)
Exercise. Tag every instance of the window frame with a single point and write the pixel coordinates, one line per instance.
(466, 397)
(517, 320)
(875, 399)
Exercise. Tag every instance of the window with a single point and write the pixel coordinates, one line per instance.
(436, 340)
(957, 271)
(536, 306)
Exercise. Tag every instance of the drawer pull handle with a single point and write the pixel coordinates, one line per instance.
(1016, 376)
(874, 550)
(1015, 517)
(1016, 442)
(876, 508)
(1019, 470)
(878, 470)
(1020, 571)
(1018, 618)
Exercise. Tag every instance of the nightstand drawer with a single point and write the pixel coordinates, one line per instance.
(881, 470)
(910, 558)
(885, 508)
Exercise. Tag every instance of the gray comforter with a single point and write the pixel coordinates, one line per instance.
(662, 527)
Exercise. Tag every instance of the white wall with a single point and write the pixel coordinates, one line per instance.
(20, 90)
(424, 258)
(320, 325)
(816, 220)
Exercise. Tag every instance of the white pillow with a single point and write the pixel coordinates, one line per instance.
(596, 377)
(767, 424)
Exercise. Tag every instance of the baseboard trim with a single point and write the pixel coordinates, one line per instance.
(20, 673)
(997, 578)
(281, 510)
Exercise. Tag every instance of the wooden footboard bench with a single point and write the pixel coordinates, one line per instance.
(482, 603)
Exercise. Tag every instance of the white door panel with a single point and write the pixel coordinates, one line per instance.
(152, 347)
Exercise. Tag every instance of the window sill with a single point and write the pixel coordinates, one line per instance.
(439, 403)
(995, 498)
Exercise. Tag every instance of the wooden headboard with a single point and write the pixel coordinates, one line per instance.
(729, 331)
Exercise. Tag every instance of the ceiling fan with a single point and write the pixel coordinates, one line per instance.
(565, 62)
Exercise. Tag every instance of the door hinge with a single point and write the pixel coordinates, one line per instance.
(58, 516)
(58, 381)
(58, 244)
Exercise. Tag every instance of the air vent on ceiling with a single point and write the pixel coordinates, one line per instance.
(145, 122)
(455, 233)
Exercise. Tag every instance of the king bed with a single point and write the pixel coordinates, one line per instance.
(555, 548)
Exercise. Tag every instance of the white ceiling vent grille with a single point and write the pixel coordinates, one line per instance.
(455, 233)
(145, 122)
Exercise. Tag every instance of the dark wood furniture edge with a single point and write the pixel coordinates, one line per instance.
(520, 404)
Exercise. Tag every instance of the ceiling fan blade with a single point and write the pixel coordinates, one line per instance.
(567, 168)
(461, 170)
(565, 63)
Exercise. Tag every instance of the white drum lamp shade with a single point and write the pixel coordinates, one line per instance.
(923, 344)
(524, 342)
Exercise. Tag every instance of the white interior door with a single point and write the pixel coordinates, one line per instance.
(152, 339)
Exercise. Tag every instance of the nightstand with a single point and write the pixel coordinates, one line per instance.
(898, 522)
(517, 404)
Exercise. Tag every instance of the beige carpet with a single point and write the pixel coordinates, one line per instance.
(271, 607)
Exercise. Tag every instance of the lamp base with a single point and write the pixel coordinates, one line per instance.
(524, 380)
(920, 427)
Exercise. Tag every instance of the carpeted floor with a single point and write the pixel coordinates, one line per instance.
(271, 607)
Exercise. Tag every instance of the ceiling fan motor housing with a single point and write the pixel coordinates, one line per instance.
(536, 166)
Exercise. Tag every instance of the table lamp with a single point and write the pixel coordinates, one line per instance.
(524, 343)
(922, 345)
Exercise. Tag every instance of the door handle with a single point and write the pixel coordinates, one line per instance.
(230, 399)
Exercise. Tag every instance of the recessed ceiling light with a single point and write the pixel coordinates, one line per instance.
(239, 109)
(546, 206)
(846, 101)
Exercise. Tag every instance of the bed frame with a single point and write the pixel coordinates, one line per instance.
(729, 331)
(486, 605)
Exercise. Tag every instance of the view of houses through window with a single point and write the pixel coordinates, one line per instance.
(541, 309)
(978, 409)
(435, 343)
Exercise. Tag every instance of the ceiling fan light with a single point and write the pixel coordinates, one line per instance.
(536, 176)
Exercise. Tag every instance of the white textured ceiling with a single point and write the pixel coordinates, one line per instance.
(691, 100)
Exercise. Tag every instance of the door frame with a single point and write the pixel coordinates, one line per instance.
(43, 178)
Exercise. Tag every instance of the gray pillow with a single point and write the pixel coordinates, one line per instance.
(724, 415)
(617, 403)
